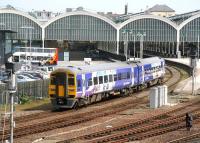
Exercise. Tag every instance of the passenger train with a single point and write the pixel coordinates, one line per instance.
(75, 86)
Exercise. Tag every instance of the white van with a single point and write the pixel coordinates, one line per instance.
(47, 69)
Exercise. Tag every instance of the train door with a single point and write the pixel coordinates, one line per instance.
(79, 82)
(136, 75)
(147, 72)
(89, 85)
(101, 84)
(140, 75)
(83, 84)
(106, 82)
(110, 80)
(60, 84)
(133, 76)
(71, 85)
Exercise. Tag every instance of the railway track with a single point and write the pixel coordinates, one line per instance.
(45, 114)
(186, 138)
(126, 131)
(140, 133)
(74, 119)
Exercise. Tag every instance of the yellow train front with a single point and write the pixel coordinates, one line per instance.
(62, 88)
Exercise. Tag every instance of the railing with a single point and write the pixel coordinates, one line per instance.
(35, 49)
(34, 89)
(183, 66)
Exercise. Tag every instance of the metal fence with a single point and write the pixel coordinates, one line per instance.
(34, 89)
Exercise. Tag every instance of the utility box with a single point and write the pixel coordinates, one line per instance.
(154, 98)
(165, 90)
(160, 96)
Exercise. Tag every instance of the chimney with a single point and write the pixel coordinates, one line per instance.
(126, 9)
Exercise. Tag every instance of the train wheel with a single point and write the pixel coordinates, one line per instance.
(138, 88)
(55, 109)
(126, 93)
(148, 84)
(159, 82)
(107, 95)
(132, 90)
(88, 100)
(76, 105)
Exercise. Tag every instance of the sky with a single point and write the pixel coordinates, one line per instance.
(115, 6)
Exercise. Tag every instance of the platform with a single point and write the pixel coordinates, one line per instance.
(185, 86)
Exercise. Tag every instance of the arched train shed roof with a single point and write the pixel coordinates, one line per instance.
(17, 12)
(147, 17)
(188, 21)
(81, 13)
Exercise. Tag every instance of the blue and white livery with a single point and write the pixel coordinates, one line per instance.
(73, 86)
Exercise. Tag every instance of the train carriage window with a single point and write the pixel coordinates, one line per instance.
(128, 75)
(100, 79)
(119, 76)
(105, 78)
(95, 80)
(110, 78)
(115, 77)
(79, 82)
(71, 79)
(124, 76)
(89, 82)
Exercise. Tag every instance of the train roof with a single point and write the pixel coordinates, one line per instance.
(110, 65)
(149, 60)
(98, 67)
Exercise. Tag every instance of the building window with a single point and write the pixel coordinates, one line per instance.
(39, 14)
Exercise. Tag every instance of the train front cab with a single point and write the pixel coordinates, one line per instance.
(62, 89)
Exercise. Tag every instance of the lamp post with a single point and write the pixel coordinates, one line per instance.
(30, 37)
(127, 33)
(2, 52)
(125, 43)
(134, 48)
(198, 48)
(141, 35)
(183, 44)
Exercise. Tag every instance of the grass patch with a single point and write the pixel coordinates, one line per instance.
(43, 104)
